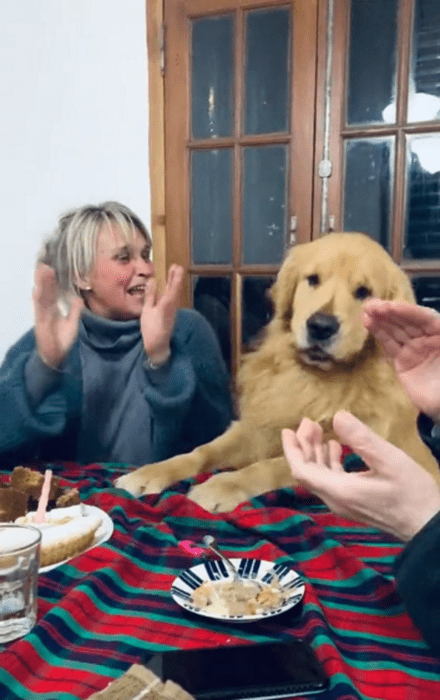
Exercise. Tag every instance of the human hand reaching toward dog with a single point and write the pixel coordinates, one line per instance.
(158, 315)
(410, 336)
(395, 495)
(55, 332)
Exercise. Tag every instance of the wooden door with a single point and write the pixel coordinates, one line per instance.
(239, 135)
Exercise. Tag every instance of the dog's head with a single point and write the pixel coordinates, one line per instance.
(320, 292)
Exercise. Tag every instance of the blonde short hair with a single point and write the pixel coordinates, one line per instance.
(71, 249)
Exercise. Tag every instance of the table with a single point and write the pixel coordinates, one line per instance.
(111, 606)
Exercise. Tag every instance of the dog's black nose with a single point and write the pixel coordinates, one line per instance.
(322, 326)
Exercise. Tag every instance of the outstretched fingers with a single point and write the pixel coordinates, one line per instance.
(46, 290)
(150, 293)
(309, 437)
(335, 456)
(401, 319)
(174, 282)
(315, 464)
(378, 454)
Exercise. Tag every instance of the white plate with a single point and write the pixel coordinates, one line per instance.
(259, 570)
(102, 534)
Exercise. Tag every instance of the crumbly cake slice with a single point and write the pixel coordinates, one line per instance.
(65, 533)
(31, 481)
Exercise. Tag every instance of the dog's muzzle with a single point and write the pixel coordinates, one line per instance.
(321, 328)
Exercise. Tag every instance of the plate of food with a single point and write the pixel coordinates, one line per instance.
(68, 532)
(260, 589)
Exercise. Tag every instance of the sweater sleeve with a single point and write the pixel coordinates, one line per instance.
(417, 571)
(189, 396)
(25, 422)
(39, 379)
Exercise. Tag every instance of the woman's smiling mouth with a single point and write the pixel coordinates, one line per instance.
(138, 290)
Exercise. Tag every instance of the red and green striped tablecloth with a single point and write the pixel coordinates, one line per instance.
(111, 606)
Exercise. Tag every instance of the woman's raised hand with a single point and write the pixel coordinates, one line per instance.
(158, 315)
(55, 332)
(410, 335)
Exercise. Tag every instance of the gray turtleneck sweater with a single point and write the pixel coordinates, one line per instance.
(105, 405)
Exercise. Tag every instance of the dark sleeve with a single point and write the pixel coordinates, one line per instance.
(189, 396)
(430, 434)
(25, 425)
(417, 571)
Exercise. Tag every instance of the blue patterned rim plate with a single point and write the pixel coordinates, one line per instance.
(252, 569)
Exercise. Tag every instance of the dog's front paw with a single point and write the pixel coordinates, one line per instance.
(144, 480)
(219, 494)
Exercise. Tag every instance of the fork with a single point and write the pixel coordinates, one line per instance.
(210, 543)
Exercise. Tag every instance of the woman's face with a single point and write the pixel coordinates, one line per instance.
(119, 276)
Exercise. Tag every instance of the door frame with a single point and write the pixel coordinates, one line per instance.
(156, 105)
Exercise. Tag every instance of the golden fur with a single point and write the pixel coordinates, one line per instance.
(316, 359)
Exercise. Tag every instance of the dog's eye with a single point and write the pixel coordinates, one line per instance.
(313, 280)
(362, 292)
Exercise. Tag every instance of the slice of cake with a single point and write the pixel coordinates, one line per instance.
(23, 491)
(13, 503)
(30, 481)
(65, 533)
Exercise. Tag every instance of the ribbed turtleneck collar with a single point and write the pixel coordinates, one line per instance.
(104, 334)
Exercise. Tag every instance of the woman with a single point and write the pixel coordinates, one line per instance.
(109, 373)
(395, 494)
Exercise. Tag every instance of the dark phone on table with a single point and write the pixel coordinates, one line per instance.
(256, 671)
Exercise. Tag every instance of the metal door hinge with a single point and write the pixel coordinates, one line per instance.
(293, 228)
(162, 49)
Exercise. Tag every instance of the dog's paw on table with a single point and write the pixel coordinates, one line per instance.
(219, 494)
(140, 483)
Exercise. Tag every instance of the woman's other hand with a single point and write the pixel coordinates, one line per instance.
(395, 495)
(158, 315)
(55, 332)
(410, 336)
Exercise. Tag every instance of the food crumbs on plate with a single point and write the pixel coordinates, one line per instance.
(238, 597)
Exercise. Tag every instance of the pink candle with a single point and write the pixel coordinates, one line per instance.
(40, 515)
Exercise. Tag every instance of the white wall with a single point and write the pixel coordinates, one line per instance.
(73, 127)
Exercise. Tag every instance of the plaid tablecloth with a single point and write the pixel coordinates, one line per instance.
(111, 606)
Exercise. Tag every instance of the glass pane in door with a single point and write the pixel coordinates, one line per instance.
(257, 309)
(212, 298)
(424, 79)
(422, 230)
(371, 85)
(211, 205)
(368, 185)
(264, 204)
(212, 85)
(267, 71)
(427, 291)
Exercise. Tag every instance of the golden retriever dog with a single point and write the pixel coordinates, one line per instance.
(317, 358)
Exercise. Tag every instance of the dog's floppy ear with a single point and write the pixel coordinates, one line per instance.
(400, 287)
(284, 288)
